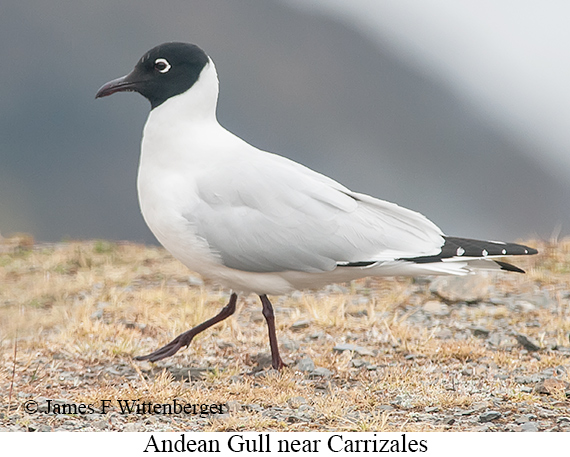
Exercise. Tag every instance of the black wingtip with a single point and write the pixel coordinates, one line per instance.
(480, 248)
(508, 267)
(455, 247)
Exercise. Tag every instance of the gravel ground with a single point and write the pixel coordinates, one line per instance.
(485, 352)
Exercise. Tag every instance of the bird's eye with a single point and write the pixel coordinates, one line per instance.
(162, 65)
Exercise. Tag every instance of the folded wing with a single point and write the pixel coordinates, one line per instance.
(294, 219)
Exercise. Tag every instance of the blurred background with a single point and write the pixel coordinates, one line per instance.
(459, 110)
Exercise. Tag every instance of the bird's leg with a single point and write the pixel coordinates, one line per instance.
(185, 338)
(270, 319)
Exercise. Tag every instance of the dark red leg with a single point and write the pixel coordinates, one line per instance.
(184, 339)
(270, 319)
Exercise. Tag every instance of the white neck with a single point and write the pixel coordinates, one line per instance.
(184, 126)
(196, 104)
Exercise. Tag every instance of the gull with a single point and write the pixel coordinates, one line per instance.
(256, 222)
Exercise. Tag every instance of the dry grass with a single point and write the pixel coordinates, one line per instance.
(80, 311)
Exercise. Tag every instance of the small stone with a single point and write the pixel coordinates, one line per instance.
(523, 418)
(469, 288)
(495, 338)
(563, 420)
(481, 428)
(222, 344)
(358, 363)
(385, 408)
(550, 386)
(467, 371)
(144, 366)
(403, 401)
(262, 360)
(132, 427)
(290, 345)
(221, 417)
(532, 379)
(253, 407)
(306, 364)
(444, 334)
(448, 420)
(184, 374)
(296, 402)
(352, 347)
(293, 419)
(413, 356)
(524, 306)
(101, 424)
(320, 372)
(43, 428)
(480, 332)
(526, 343)
(299, 325)
(359, 313)
(233, 406)
(422, 417)
(489, 416)
(529, 427)
(305, 408)
(435, 307)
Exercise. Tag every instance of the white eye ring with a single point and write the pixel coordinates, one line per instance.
(162, 65)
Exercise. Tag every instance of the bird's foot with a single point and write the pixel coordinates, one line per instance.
(277, 363)
(182, 340)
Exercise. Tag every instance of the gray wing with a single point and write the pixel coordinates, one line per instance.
(275, 215)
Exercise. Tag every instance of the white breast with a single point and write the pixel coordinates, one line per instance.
(179, 145)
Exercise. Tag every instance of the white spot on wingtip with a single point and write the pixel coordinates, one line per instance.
(504, 251)
(460, 251)
(526, 251)
(484, 253)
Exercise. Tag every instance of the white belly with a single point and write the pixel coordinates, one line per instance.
(164, 202)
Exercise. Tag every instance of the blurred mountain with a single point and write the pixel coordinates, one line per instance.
(294, 83)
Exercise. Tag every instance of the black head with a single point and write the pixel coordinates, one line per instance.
(163, 72)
